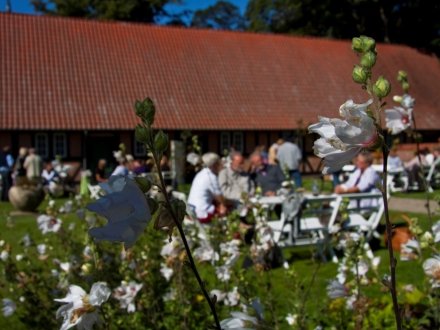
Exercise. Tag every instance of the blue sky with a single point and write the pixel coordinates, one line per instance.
(24, 6)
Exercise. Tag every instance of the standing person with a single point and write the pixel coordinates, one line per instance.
(34, 166)
(272, 155)
(99, 176)
(205, 196)
(19, 170)
(6, 166)
(289, 157)
(233, 180)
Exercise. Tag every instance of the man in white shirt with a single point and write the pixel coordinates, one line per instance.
(205, 196)
(363, 179)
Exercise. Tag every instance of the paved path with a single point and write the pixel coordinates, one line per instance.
(411, 205)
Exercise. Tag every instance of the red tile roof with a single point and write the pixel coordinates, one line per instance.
(59, 73)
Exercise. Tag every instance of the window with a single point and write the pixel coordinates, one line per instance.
(139, 149)
(231, 139)
(59, 145)
(225, 142)
(237, 141)
(42, 144)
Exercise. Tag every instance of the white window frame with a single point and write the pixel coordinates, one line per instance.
(45, 137)
(63, 136)
(238, 141)
(225, 142)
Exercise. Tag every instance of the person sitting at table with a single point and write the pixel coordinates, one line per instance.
(363, 179)
(234, 181)
(205, 197)
(269, 177)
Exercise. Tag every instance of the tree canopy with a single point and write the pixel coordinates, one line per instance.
(222, 15)
(412, 22)
(125, 10)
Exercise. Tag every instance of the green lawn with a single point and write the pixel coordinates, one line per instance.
(301, 260)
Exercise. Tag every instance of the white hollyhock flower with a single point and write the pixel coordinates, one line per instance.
(398, 119)
(114, 184)
(232, 298)
(436, 231)
(336, 289)
(126, 293)
(8, 307)
(166, 271)
(341, 140)
(127, 212)
(431, 267)
(238, 320)
(41, 248)
(80, 308)
(48, 224)
(4, 255)
(291, 319)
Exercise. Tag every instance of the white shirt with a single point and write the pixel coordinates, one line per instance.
(203, 189)
(366, 182)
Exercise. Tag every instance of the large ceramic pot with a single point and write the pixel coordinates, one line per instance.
(26, 198)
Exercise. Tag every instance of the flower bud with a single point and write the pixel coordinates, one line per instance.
(160, 141)
(381, 87)
(356, 45)
(179, 209)
(363, 44)
(143, 183)
(142, 134)
(368, 59)
(405, 86)
(397, 98)
(145, 110)
(402, 76)
(359, 75)
(368, 43)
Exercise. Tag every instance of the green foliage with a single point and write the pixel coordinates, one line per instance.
(411, 22)
(122, 10)
(222, 15)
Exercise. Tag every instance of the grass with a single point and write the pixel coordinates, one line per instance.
(14, 227)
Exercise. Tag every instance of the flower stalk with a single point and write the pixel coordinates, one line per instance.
(389, 231)
(178, 224)
(157, 143)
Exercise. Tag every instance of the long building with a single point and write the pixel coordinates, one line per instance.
(68, 86)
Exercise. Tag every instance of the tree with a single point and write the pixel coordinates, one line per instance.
(223, 15)
(411, 22)
(147, 11)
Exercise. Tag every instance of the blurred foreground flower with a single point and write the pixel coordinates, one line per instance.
(238, 320)
(48, 224)
(127, 212)
(80, 308)
(126, 293)
(342, 140)
(8, 307)
(431, 267)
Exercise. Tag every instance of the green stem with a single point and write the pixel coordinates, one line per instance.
(389, 230)
(185, 243)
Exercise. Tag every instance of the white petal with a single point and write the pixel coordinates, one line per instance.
(323, 128)
(99, 293)
(335, 161)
